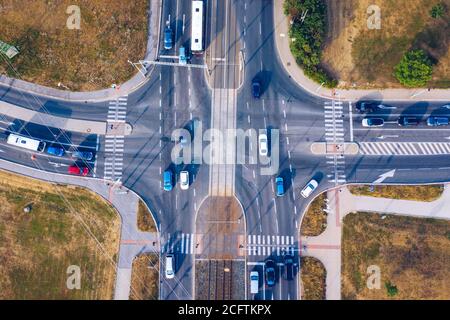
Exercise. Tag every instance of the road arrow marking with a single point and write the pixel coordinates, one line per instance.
(384, 176)
(387, 136)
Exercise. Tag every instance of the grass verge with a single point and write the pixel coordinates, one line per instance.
(418, 193)
(67, 226)
(412, 255)
(313, 276)
(145, 220)
(315, 220)
(145, 277)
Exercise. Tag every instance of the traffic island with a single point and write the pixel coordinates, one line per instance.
(324, 148)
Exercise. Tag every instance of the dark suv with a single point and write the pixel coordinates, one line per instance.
(406, 121)
(288, 267)
(256, 88)
(366, 106)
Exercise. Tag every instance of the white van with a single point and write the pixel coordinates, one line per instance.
(170, 262)
(254, 282)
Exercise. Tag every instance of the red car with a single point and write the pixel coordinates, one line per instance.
(80, 171)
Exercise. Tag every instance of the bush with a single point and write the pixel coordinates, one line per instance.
(437, 11)
(308, 28)
(391, 289)
(414, 70)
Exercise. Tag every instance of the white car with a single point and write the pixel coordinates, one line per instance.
(170, 261)
(263, 147)
(309, 188)
(184, 180)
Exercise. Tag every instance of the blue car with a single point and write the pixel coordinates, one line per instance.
(280, 186)
(168, 180)
(168, 42)
(55, 151)
(83, 155)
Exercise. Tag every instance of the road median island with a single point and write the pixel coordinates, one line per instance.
(325, 148)
(47, 230)
(314, 221)
(426, 193)
(55, 51)
(409, 256)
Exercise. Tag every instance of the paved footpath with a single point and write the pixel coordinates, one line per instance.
(132, 241)
(106, 94)
(282, 43)
(327, 246)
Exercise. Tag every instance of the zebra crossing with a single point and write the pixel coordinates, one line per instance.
(404, 148)
(266, 245)
(335, 134)
(115, 144)
(183, 243)
(117, 110)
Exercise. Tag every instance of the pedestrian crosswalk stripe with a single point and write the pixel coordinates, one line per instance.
(404, 148)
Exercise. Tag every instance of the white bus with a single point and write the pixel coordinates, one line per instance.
(197, 27)
(27, 143)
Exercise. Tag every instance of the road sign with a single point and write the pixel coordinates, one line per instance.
(8, 50)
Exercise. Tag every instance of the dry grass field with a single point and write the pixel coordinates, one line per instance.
(145, 277)
(418, 193)
(93, 57)
(413, 255)
(66, 226)
(313, 276)
(145, 221)
(365, 58)
(315, 220)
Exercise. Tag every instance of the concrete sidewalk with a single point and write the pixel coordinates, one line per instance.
(106, 94)
(132, 241)
(282, 41)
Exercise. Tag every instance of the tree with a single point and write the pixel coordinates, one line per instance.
(414, 70)
(437, 11)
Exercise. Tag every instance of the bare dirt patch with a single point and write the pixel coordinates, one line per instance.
(360, 57)
(91, 58)
(413, 255)
(145, 277)
(66, 226)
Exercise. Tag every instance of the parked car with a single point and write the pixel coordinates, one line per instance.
(168, 42)
(184, 180)
(169, 266)
(437, 121)
(263, 144)
(77, 170)
(372, 122)
(270, 273)
(406, 121)
(309, 188)
(56, 151)
(288, 267)
(256, 88)
(83, 155)
(279, 186)
(254, 282)
(168, 180)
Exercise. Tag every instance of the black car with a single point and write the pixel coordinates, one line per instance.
(288, 267)
(406, 121)
(270, 273)
(366, 106)
(256, 88)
